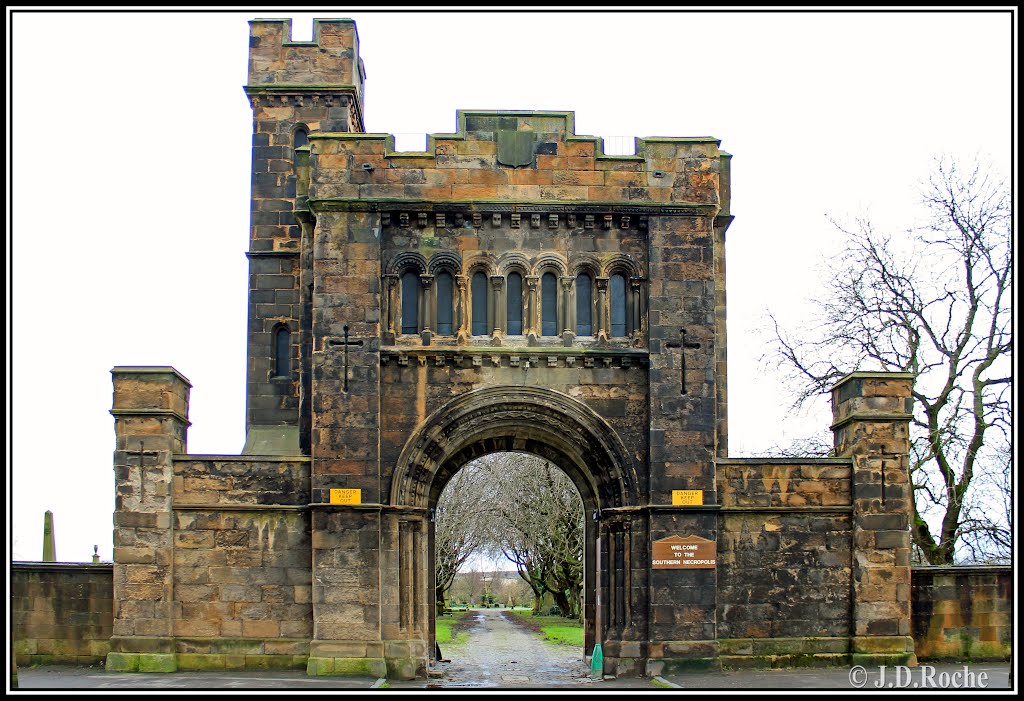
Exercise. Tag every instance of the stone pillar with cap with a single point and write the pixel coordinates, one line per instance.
(150, 423)
(871, 416)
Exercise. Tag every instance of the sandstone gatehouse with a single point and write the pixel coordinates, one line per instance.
(511, 288)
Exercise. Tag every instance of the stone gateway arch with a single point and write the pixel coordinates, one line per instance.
(510, 288)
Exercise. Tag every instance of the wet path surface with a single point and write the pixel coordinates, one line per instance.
(499, 653)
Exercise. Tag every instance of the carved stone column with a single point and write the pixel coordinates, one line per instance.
(461, 318)
(531, 322)
(498, 308)
(426, 308)
(602, 308)
(390, 307)
(568, 317)
(639, 303)
(633, 308)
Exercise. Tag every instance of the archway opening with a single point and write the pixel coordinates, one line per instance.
(510, 558)
(541, 422)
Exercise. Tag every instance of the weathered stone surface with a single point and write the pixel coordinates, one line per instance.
(411, 312)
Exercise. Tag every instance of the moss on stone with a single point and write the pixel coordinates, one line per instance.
(319, 666)
(157, 662)
(353, 666)
(876, 660)
(694, 664)
(200, 662)
(122, 662)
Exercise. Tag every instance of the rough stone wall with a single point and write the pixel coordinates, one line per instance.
(962, 612)
(242, 578)
(61, 613)
(785, 549)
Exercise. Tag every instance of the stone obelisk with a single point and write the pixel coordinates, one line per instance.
(49, 550)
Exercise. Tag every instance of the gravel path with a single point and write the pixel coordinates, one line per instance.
(499, 653)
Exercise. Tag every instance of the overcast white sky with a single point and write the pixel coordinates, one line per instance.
(129, 199)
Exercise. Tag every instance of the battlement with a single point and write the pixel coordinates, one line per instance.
(523, 156)
(331, 60)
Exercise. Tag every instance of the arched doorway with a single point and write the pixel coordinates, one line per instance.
(535, 420)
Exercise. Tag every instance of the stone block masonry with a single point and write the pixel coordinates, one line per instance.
(963, 612)
(510, 288)
(61, 613)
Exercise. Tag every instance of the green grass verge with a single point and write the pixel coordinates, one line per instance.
(446, 628)
(555, 629)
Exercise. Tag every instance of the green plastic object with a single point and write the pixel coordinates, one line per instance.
(597, 663)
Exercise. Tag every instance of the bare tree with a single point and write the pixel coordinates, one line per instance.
(538, 526)
(935, 302)
(459, 530)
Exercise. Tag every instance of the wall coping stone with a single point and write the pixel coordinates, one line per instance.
(961, 569)
(874, 375)
(30, 566)
(148, 369)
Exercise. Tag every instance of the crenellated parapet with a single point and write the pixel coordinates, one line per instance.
(298, 70)
(522, 157)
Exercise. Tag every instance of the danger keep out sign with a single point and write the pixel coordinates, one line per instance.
(683, 553)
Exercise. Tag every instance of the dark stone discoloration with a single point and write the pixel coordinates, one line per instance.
(391, 396)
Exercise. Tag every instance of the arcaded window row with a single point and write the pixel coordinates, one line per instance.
(447, 303)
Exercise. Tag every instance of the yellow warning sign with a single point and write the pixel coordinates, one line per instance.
(687, 497)
(346, 496)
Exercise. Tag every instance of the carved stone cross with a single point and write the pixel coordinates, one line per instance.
(142, 454)
(345, 344)
(682, 344)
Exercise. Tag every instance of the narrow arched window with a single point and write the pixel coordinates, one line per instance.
(584, 305)
(444, 304)
(282, 352)
(410, 302)
(617, 290)
(479, 294)
(301, 138)
(548, 305)
(514, 304)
